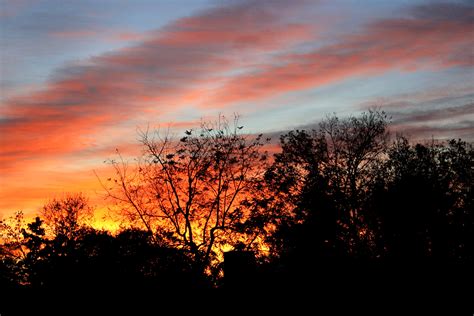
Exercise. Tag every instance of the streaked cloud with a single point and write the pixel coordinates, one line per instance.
(233, 56)
(424, 39)
(83, 98)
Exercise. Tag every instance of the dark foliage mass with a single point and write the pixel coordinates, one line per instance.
(372, 215)
(340, 207)
(98, 261)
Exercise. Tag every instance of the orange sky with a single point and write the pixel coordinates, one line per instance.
(78, 79)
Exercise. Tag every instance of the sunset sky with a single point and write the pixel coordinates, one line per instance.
(77, 78)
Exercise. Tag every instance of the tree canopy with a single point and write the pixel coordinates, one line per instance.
(338, 202)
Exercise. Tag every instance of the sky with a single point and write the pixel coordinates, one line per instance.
(78, 78)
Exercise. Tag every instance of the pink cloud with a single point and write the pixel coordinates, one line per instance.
(128, 36)
(169, 68)
(423, 40)
(74, 34)
(82, 99)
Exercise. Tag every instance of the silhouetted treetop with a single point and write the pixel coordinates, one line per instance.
(325, 175)
(66, 216)
(194, 192)
(342, 206)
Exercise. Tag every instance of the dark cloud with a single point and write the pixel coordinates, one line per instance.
(448, 11)
(462, 129)
(433, 114)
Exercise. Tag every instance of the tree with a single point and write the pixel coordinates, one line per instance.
(12, 251)
(326, 175)
(425, 206)
(35, 241)
(11, 235)
(195, 192)
(98, 261)
(64, 217)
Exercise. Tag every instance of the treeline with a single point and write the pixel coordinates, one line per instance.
(345, 203)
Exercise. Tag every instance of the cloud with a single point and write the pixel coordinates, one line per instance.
(186, 61)
(439, 112)
(10, 8)
(419, 125)
(447, 121)
(463, 129)
(85, 97)
(100, 34)
(216, 58)
(127, 36)
(74, 34)
(434, 114)
(431, 36)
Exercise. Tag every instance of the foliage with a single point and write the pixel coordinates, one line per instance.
(64, 217)
(326, 175)
(337, 202)
(425, 205)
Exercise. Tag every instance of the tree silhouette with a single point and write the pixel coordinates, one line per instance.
(98, 261)
(326, 175)
(369, 215)
(12, 251)
(64, 217)
(339, 208)
(426, 206)
(34, 261)
(194, 193)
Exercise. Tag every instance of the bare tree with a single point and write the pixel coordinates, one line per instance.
(354, 147)
(194, 192)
